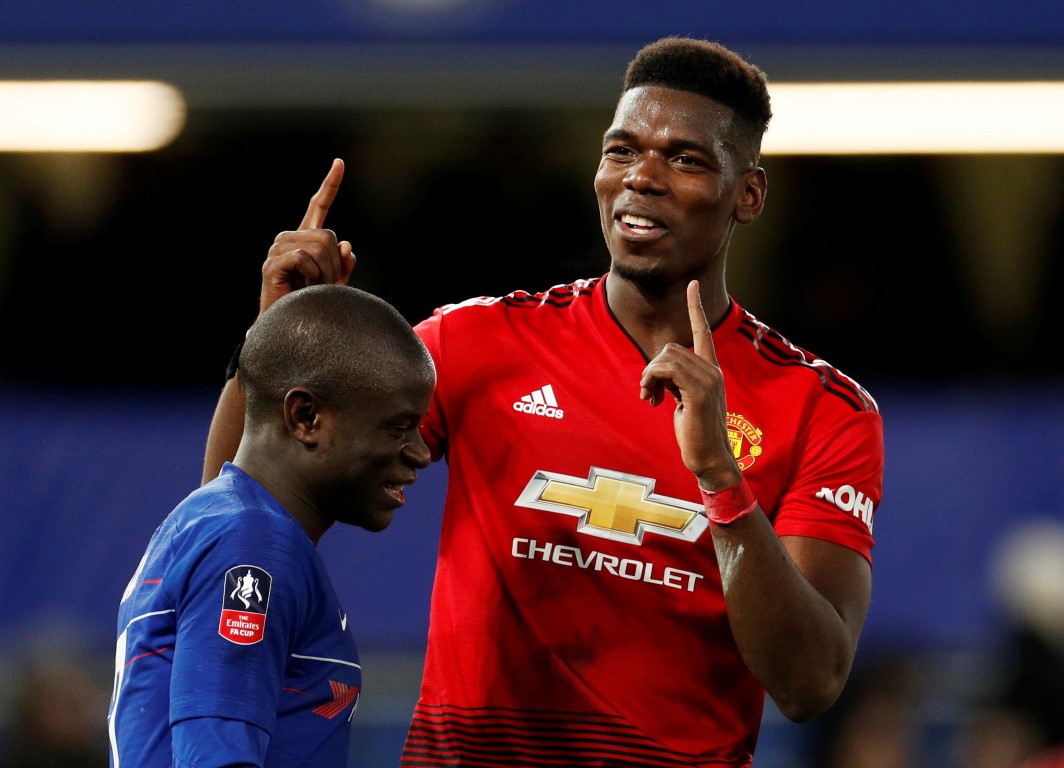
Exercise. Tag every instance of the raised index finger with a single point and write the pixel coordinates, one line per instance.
(314, 218)
(700, 332)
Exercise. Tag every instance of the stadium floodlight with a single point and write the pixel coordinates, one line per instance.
(89, 115)
(915, 118)
(823, 118)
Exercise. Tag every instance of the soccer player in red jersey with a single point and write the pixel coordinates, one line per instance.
(658, 508)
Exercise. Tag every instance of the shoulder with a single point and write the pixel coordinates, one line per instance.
(776, 356)
(485, 313)
(557, 296)
(229, 504)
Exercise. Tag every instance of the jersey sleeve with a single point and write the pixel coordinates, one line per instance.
(212, 742)
(230, 654)
(837, 481)
(433, 427)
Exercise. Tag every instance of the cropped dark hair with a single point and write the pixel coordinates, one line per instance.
(338, 341)
(707, 68)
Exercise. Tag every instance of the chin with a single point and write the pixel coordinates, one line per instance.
(378, 522)
(652, 279)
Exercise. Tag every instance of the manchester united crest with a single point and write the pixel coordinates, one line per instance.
(745, 440)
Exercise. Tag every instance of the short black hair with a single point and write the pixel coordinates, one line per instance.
(337, 340)
(707, 68)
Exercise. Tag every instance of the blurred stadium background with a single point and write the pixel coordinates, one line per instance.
(471, 131)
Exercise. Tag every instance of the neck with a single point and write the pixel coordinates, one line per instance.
(286, 489)
(654, 317)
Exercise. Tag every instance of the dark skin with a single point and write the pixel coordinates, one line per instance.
(309, 255)
(674, 180)
(329, 462)
(796, 605)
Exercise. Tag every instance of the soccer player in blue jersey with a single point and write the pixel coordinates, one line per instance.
(233, 648)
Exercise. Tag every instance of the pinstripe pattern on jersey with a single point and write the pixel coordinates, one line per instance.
(492, 736)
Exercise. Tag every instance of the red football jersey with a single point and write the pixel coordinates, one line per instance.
(577, 615)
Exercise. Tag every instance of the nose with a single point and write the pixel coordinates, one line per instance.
(416, 452)
(646, 175)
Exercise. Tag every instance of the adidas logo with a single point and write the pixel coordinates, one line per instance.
(541, 403)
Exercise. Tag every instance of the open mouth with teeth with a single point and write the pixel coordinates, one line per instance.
(638, 223)
(396, 492)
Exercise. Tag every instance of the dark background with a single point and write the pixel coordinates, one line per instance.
(865, 261)
(472, 130)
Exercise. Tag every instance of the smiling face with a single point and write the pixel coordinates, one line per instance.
(673, 181)
(336, 383)
(371, 451)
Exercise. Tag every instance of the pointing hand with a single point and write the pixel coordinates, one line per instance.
(696, 382)
(311, 254)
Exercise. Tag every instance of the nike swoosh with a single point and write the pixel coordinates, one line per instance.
(343, 621)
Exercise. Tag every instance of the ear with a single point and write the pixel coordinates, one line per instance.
(303, 417)
(751, 200)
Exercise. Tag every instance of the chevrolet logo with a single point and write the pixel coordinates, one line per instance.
(614, 505)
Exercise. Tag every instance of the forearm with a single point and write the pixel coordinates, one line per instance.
(791, 637)
(227, 427)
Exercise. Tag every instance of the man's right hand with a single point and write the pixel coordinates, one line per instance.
(310, 254)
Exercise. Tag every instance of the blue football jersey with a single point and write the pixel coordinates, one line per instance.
(231, 615)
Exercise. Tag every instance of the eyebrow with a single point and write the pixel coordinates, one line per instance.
(623, 134)
(616, 133)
